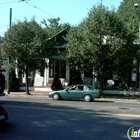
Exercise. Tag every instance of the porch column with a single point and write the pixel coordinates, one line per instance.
(67, 73)
(46, 74)
(16, 70)
(93, 80)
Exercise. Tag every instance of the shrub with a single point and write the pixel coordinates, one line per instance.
(14, 82)
(2, 82)
(56, 84)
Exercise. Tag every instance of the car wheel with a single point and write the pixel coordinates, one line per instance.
(56, 96)
(87, 98)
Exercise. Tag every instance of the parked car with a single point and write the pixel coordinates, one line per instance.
(85, 92)
(3, 114)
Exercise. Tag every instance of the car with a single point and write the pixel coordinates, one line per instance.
(79, 91)
(3, 114)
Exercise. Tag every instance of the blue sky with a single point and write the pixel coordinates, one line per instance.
(71, 11)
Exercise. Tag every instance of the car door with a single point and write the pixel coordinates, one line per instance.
(69, 92)
(81, 91)
(77, 93)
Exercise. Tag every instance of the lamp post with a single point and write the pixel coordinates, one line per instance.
(136, 5)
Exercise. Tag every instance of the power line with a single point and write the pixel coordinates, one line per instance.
(12, 2)
(30, 5)
(39, 9)
(9, 2)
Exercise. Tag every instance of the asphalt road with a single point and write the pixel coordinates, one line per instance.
(45, 119)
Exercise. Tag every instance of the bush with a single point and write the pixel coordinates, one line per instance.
(14, 82)
(56, 84)
(2, 82)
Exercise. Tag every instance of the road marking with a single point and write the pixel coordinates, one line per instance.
(129, 115)
(119, 114)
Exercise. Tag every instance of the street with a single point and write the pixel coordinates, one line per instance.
(45, 119)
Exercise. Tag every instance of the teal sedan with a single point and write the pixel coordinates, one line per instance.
(85, 92)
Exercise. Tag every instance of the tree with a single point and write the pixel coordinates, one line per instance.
(25, 43)
(130, 16)
(53, 26)
(100, 43)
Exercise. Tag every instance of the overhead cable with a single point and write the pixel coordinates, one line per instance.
(12, 2)
(39, 9)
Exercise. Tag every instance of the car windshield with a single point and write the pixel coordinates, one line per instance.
(90, 87)
(71, 88)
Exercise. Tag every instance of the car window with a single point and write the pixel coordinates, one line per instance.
(72, 88)
(80, 87)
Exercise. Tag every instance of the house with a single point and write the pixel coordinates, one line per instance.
(45, 78)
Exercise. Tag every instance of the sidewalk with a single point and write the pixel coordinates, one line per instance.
(105, 97)
(33, 94)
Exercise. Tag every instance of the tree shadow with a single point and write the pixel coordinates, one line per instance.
(49, 121)
(95, 100)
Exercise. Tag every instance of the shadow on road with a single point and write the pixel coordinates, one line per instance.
(95, 100)
(48, 121)
(4, 126)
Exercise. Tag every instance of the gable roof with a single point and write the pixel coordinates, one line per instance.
(62, 32)
(60, 42)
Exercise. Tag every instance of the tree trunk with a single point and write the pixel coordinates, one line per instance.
(27, 86)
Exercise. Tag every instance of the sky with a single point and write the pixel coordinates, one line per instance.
(69, 11)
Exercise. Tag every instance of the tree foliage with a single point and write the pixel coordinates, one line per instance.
(24, 42)
(101, 43)
(53, 26)
(130, 16)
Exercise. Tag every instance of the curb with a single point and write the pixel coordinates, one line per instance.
(31, 95)
(28, 96)
(105, 99)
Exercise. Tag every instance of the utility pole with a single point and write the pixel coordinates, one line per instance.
(10, 18)
(8, 74)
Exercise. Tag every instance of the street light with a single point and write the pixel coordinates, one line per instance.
(136, 5)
